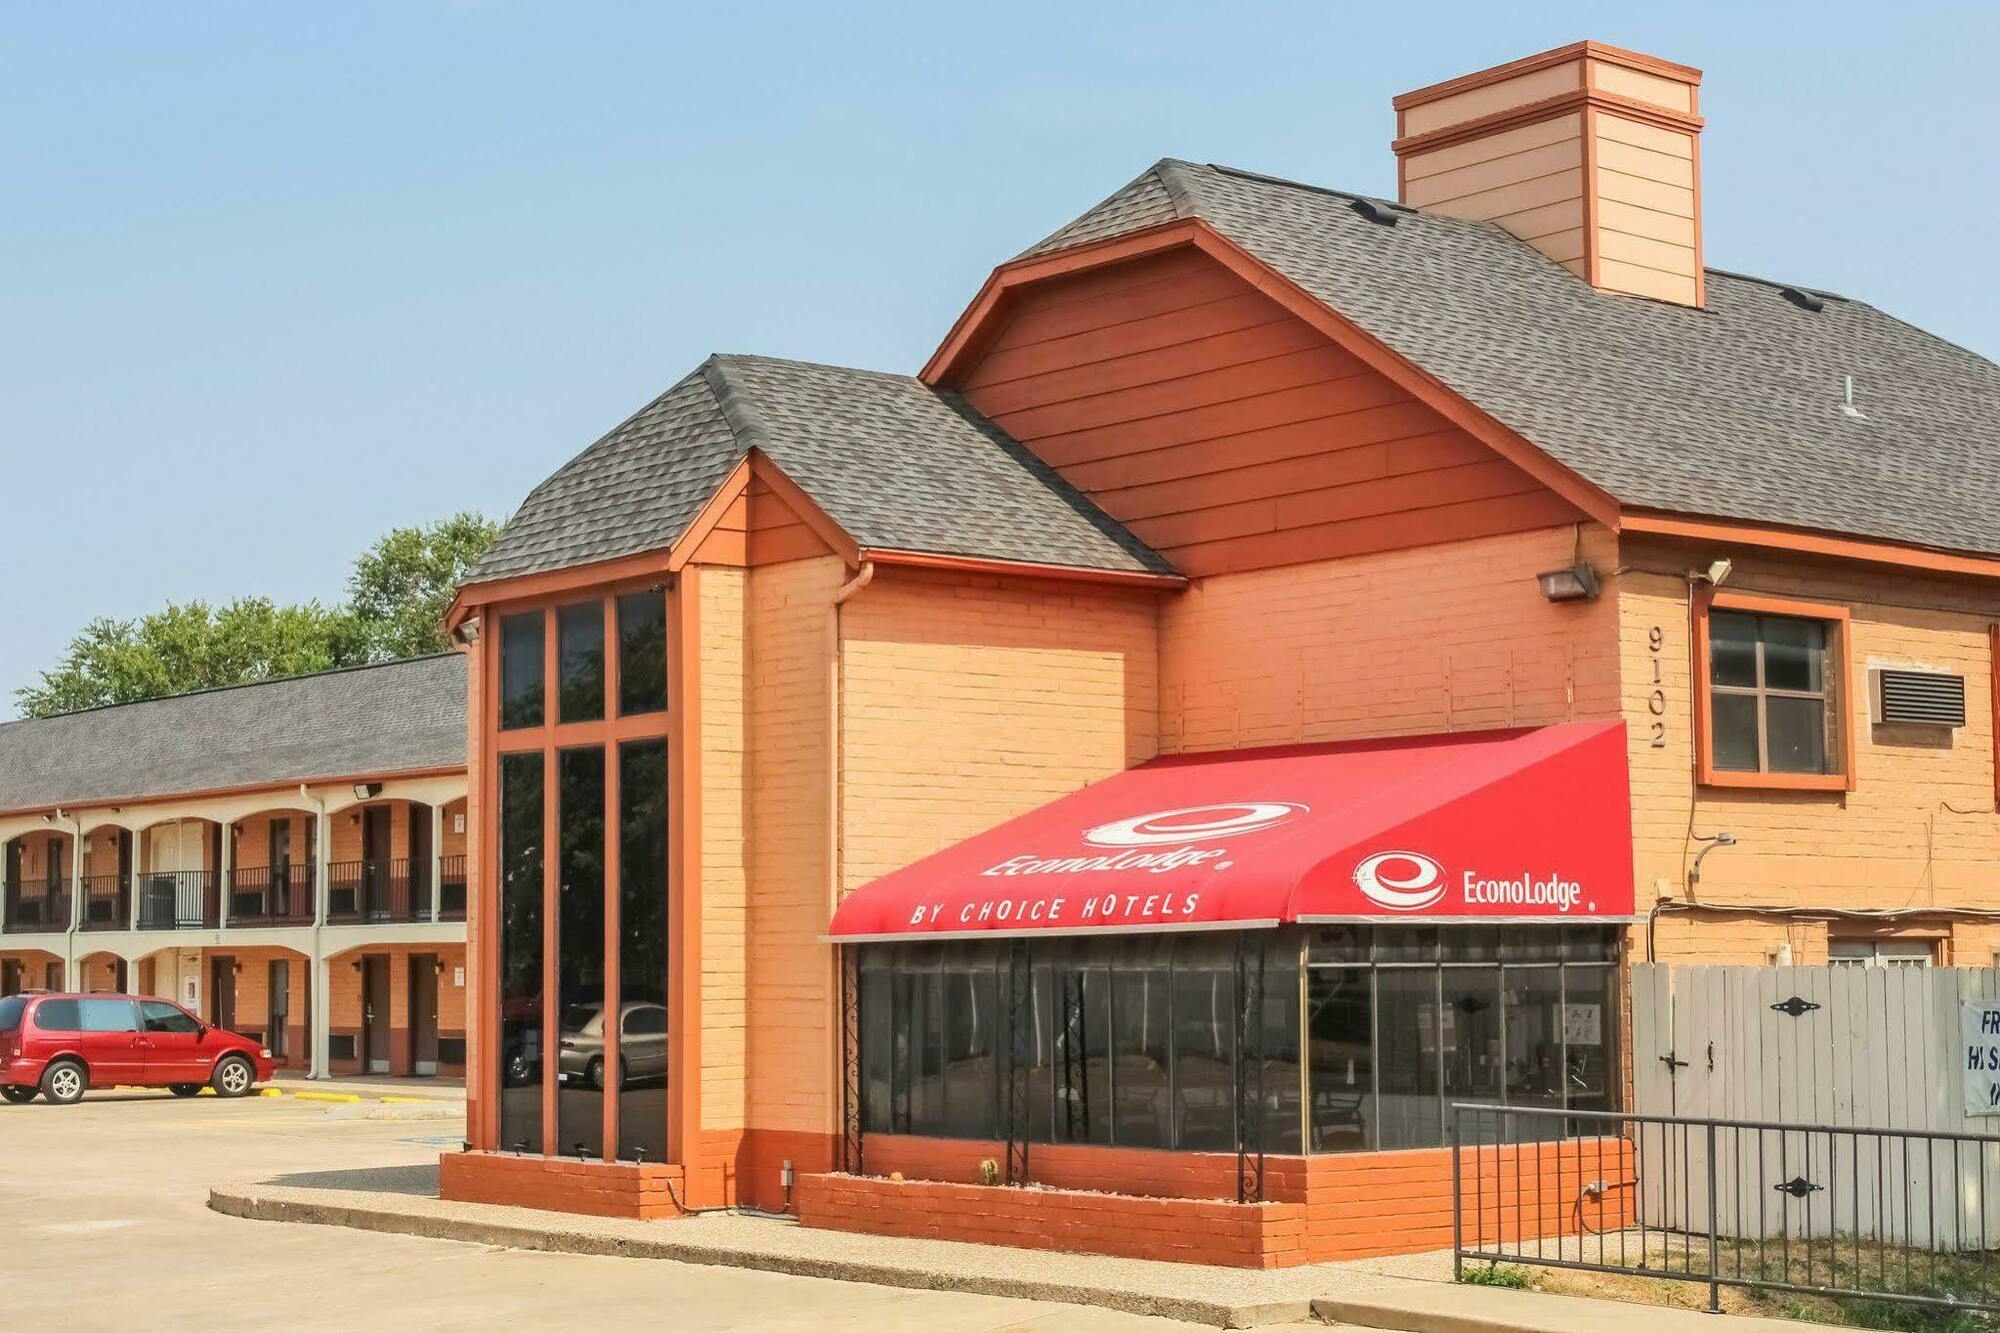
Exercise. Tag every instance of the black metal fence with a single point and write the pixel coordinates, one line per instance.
(378, 891)
(107, 903)
(1821, 1210)
(34, 906)
(280, 895)
(178, 900)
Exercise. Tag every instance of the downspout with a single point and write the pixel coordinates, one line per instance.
(836, 844)
(318, 1052)
(70, 977)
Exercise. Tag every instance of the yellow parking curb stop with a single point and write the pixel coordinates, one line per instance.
(326, 1096)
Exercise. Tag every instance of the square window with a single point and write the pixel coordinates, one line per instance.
(1773, 701)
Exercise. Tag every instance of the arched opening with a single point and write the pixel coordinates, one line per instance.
(381, 864)
(273, 858)
(103, 973)
(397, 1009)
(36, 896)
(109, 858)
(178, 883)
(29, 969)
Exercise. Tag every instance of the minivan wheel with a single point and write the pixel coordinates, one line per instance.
(63, 1083)
(233, 1077)
(18, 1096)
(184, 1089)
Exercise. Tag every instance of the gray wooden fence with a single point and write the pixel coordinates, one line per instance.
(1864, 1048)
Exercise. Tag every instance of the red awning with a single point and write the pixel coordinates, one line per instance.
(1529, 824)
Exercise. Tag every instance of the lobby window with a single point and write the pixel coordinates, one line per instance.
(642, 652)
(1772, 694)
(580, 662)
(1131, 1041)
(1403, 1021)
(581, 835)
(521, 670)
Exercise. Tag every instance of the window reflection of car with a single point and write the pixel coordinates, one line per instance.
(642, 1043)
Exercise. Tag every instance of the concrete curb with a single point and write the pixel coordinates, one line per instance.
(276, 1204)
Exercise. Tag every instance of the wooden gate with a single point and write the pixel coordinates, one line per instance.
(1843, 1046)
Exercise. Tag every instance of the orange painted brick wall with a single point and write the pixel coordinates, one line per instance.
(725, 846)
(968, 700)
(788, 971)
(1918, 830)
(344, 980)
(1446, 638)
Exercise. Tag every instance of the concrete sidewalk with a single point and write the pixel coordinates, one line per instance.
(373, 1088)
(1350, 1294)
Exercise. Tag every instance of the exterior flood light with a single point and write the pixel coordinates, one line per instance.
(1577, 583)
(367, 791)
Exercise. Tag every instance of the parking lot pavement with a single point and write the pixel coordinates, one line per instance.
(106, 1226)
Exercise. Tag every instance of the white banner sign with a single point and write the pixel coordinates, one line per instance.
(1979, 1029)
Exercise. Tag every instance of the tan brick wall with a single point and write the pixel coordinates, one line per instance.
(1445, 638)
(968, 700)
(725, 853)
(1918, 830)
(788, 971)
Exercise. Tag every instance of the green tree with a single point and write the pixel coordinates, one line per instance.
(397, 597)
(402, 585)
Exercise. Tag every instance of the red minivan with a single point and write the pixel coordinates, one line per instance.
(60, 1045)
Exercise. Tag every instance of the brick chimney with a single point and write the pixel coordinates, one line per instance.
(1589, 153)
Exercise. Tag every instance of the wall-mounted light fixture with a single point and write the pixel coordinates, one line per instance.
(467, 634)
(367, 791)
(1572, 583)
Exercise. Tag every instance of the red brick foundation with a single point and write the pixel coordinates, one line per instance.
(1181, 1206)
(560, 1184)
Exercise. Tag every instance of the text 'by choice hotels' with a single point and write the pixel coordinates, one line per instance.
(1106, 909)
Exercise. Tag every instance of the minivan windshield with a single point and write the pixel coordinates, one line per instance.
(11, 1008)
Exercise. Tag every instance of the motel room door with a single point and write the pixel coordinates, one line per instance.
(423, 1014)
(375, 1013)
(222, 992)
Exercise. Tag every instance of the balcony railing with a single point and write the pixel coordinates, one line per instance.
(451, 888)
(271, 895)
(378, 891)
(32, 907)
(107, 902)
(178, 900)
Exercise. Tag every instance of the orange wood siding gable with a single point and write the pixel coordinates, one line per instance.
(1227, 432)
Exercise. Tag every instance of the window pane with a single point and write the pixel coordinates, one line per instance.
(1283, 1118)
(582, 1074)
(521, 670)
(520, 906)
(580, 662)
(1732, 649)
(1793, 653)
(642, 947)
(107, 1016)
(56, 1016)
(1205, 1043)
(1471, 1034)
(878, 1040)
(160, 1016)
(926, 1056)
(1590, 1029)
(1406, 944)
(1797, 740)
(1734, 731)
(1038, 1042)
(642, 652)
(971, 1026)
(1470, 944)
(1521, 944)
(1337, 944)
(1340, 1018)
(1083, 1051)
(1139, 1041)
(1534, 1041)
(1407, 1056)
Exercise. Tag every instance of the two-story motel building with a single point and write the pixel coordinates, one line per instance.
(286, 859)
(1264, 679)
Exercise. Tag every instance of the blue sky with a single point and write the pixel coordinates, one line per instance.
(281, 277)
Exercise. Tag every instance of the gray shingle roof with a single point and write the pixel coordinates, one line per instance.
(1732, 411)
(398, 717)
(898, 464)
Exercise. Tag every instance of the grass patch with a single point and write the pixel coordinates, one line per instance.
(1496, 1275)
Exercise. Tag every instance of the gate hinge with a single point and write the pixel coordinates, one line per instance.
(1795, 1006)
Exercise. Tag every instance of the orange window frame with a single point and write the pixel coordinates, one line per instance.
(1840, 695)
(548, 739)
